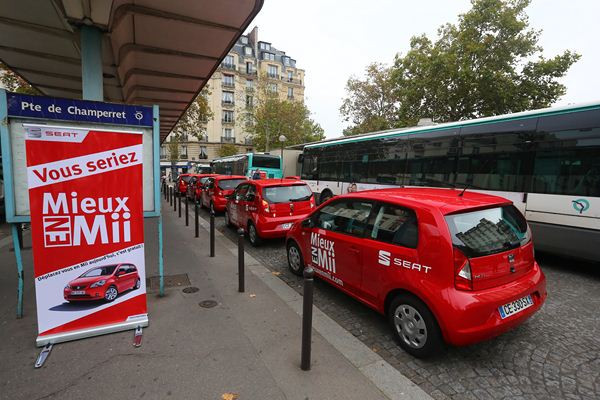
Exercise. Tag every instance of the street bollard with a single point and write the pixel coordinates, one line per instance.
(307, 306)
(212, 233)
(187, 221)
(174, 200)
(179, 205)
(241, 275)
(196, 218)
(170, 196)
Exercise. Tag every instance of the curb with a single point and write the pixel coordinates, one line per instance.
(386, 378)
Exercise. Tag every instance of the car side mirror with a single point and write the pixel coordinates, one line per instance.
(308, 223)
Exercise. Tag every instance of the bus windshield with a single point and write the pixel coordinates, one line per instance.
(265, 161)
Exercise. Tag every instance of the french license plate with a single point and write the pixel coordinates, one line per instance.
(77, 292)
(286, 226)
(515, 307)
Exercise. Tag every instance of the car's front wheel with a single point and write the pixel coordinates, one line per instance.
(255, 240)
(295, 261)
(227, 220)
(414, 326)
(111, 293)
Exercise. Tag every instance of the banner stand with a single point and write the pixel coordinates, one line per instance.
(13, 201)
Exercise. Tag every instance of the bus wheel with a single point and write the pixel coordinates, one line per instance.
(325, 195)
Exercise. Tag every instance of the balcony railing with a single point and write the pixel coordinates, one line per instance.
(229, 66)
(183, 156)
(227, 121)
(250, 72)
(291, 80)
(227, 103)
(228, 84)
(227, 139)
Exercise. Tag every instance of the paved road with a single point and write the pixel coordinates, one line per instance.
(554, 355)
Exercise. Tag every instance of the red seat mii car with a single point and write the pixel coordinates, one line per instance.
(181, 185)
(267, 208)
(216, 188)
(105, 282)
(443, 267)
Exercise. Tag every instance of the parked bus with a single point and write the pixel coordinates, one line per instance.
(246, 164)
(546, 161)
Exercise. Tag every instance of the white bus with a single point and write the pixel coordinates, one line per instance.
(546, 161)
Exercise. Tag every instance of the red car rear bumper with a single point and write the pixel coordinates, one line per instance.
(474, 316)
(270, 228)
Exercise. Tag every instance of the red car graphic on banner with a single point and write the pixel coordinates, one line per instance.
(86, 205)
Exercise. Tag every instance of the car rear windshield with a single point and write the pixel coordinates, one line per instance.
(100, 271)
(286, 194)
(263, 161)
(226, 184)
(489, 231)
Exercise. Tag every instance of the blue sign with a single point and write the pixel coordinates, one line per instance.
(22, 105)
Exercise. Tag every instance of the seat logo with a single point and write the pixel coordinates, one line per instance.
(581, 205)
(384, 258)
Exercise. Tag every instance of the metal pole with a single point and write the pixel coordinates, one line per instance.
(212, 234)
(91, 63)
(170, 196)
(196, 219)
(17, 246)
(161, 270)
(187, 218)
(307, 305)
(179, 201)
(20, 235)
(241, 275)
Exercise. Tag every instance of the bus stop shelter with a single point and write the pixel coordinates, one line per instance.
(145, 52)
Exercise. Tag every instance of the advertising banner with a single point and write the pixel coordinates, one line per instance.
(87, 228)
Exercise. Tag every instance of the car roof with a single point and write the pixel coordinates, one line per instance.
(277, 182)
(202, 175)
(222, 177)
(447, 201)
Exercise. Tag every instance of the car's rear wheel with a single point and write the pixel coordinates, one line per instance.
(137, 284)
(414, 326)
(227, 220)
(111, 293)
(295, 261)
(255, 240)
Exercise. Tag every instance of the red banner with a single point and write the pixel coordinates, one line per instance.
(87, 227)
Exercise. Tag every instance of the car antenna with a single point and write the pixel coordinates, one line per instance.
(464, 190)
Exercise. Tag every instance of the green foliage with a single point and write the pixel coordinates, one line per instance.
(227, 149)
(193, 121)
(173, 146)
(14, 83)
(272, 117)
(490, 63)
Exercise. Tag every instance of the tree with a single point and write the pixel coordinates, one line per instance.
(173, 147)
(269, 117)
(371, 104)
(490, 63)
(193, 121)
(227, 149)
(14, 83)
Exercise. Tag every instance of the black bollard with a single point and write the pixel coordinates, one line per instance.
(170, 196)
(241, 275)
(212, 233)
(174, 200)
(307, 305)
(179, 205)
(187, 221)
(196, 219)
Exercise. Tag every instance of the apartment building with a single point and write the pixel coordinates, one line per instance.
(234, 90)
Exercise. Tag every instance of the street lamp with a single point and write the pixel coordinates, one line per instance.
(282, 139)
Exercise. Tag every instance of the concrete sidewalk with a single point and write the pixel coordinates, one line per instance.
(249, 344)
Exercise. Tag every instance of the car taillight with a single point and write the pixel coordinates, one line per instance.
(463, 279)
(312, 202)
(220, 193)
(265, 206)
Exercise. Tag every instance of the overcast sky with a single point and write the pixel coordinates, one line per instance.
(335, 39)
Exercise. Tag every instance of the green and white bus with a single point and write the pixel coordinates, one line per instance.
(546, 161)
(247, 164)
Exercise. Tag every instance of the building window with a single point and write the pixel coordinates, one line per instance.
(290, 93)
(183, 152)
(286, 61)
(247, 50)
(227, 116)
(227, 132)
(264, 46)
(229, 61)
(268, 56)
(228, 97)
(203, 155)
(227, 80)
(163, 152)
(272, 87)
(249, 101)
(244, 40)
(249, 84)
(290, 76)
(249, 67)
(273, 71)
